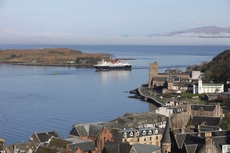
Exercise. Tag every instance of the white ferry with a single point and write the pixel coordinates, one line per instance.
(116, 64)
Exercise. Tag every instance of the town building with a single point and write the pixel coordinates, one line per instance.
(72, 145)
(169, 110)
(206, 110)
(138, 128)
(176, 81)
(2, 149)
(42, 137)
(194, 141)
(35, 140)
(115, 147)
(24, 147)
(207, 87)
(205, 123)
(162, 79)
(97, 132)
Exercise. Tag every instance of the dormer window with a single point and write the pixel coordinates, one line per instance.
(124, 134)
(131, 134)
(144, 132)
(137, 133)
(150, 132)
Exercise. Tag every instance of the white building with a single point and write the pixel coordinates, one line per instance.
(196, 75)
(207, 88)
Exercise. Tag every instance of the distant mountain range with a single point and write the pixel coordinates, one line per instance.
(201, 32)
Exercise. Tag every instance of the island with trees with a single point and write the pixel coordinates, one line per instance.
(52, 57)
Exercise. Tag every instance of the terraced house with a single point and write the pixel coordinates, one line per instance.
(138, 128)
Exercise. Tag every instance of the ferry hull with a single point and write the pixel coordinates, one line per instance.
(128, 67)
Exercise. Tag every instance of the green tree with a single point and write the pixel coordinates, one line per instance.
(207, 75)
(226, 122)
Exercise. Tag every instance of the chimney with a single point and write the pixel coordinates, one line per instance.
(197, 129)
(182, 129)
(208, 136)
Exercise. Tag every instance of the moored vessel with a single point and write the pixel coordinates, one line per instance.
(116, 64)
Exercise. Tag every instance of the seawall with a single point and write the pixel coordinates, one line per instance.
(144, 95)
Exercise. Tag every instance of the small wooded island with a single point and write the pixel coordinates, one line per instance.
(52, 57)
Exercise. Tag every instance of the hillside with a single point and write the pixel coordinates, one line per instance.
(50, 56)
(217, 70)
(200, 32)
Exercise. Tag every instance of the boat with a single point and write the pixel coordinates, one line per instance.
(115, 65)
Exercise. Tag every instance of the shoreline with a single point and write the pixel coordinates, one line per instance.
(56, 65)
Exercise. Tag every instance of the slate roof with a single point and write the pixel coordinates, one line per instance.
(204, 107)
(114, 147)
(191, 141)
(180, 138)
(45, 136)
(113, 125)
(84, 145)
(49, 150)
(211, 84)
(59, 144)
(130, 120)
(22, 146)
(160, 79)
(78, 131)
(145, 148)
(210, 121)
(125, 122)
(183, 84)
(166, 138)
(92, 129)
(220, 140)
(191, 148)
(95, 130)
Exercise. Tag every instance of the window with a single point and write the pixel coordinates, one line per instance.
(150, 138)
(124, 134)
(131, 134)
(156, 137)
(144, 139)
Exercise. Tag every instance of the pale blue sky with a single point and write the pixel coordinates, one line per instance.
(105, 21)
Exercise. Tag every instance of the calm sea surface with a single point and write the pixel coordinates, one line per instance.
(32, 99)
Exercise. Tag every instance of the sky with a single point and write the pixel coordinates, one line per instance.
(122, 22)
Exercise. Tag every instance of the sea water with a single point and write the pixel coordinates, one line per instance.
(33, 99)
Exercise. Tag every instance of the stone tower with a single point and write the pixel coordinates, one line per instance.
(153, 71)
(166, 139)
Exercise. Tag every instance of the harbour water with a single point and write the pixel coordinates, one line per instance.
(33, 99)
